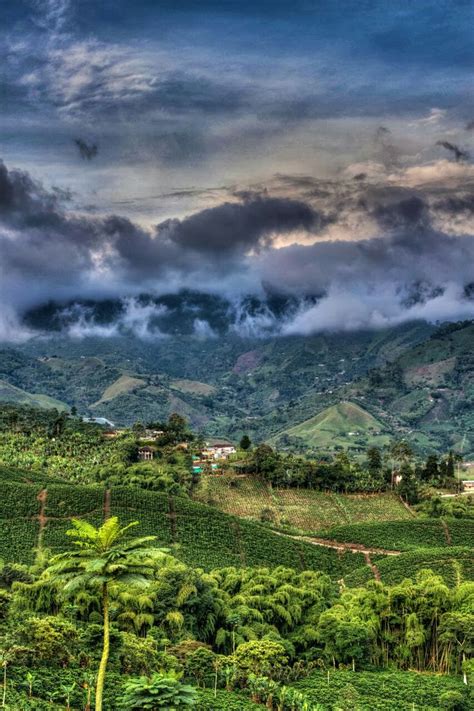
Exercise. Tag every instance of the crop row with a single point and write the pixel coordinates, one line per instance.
(18, 539)
(379, 691)
(201, 536)
(406, 535)
(454, 565)
(225, 701)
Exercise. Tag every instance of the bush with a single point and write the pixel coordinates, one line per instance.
(157, 692)
(452, 701)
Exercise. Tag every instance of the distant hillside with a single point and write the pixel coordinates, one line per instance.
(336, 426)
(323, 391)
(10, 393)
(427, 392)
(225, 385)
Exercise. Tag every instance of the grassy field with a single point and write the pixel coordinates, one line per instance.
(303, 509)
(121, 386)
(193, 386)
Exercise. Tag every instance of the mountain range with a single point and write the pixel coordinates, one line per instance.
(325, 391)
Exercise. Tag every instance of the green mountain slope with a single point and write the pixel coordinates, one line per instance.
(412, 381)
(10, 393)
(336, 426)
(226, 385)
(427, 392)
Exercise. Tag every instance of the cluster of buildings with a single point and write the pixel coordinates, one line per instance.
(213, 453)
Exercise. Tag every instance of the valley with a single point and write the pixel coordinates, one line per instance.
(325, 391)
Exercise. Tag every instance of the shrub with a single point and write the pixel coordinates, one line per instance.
(157, 692)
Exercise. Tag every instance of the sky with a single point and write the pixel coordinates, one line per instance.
(312, 148)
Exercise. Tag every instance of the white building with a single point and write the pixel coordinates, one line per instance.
(218, 449)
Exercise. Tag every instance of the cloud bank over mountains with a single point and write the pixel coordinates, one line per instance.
(338, 254)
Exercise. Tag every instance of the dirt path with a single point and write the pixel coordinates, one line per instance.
(446, 532)
(407, 506)
(107, 497)
(372, 566)
(172, 519)
(337, 545)
(42, 518)
(345, 547)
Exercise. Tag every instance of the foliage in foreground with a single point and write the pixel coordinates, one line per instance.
(156, 692)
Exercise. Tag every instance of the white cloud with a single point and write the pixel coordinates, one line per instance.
(434, 118)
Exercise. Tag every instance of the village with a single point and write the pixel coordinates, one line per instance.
(207, 460)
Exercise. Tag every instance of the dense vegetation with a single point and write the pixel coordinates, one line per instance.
(408, 535)
(168, 628)
(192, 529)
(195, 607)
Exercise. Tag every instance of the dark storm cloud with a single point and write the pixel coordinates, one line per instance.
(458, 153)
(456, 204)
(87, 151)
(235, 227)
(38, 237)
(25, 203)
(409, 213)
(48, 252)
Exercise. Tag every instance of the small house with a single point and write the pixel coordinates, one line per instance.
(146, 454)
(468, 486)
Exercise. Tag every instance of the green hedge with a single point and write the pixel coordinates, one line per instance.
(461, 531)
(19, 500)
(64, 500)
(379, 691)
(18, 539)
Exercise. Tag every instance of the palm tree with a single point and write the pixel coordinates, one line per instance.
(105, 558)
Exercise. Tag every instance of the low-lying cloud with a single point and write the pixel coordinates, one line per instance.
(267, 246)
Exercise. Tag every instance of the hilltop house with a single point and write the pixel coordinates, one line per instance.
(218, 449)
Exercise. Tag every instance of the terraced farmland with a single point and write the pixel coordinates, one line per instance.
(33, 516)
(303, 509)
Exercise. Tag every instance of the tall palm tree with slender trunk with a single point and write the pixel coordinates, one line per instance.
(104, 558)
